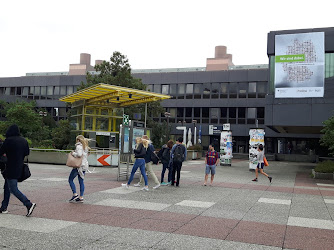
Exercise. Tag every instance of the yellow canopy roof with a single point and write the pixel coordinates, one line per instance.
(104, 94)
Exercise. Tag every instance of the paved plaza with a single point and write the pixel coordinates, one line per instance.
(293, 212)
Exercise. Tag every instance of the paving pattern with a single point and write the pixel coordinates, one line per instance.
(293, 212)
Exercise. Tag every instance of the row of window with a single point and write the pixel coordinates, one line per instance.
(212, 90)
(231, 115)
(39, 92)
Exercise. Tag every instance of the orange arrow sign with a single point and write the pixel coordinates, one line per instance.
(102, 160)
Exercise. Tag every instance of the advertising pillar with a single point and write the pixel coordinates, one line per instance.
(226, 148)
(256, 138)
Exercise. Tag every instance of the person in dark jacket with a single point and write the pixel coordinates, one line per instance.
(164, 155)
(140, 152)
(16, 148)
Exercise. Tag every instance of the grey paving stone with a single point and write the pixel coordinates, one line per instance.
(311, 212)
(184, 242)
(135, 237)
(185, 210)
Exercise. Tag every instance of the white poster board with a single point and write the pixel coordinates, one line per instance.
(300, 65)
(256, 137)
(226, 147)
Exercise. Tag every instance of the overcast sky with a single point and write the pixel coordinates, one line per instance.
(47, 36)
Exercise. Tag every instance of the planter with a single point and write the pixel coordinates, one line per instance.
(324, 176)
(193, 155)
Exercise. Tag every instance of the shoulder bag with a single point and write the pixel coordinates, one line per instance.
(25, 174)
(73, 162)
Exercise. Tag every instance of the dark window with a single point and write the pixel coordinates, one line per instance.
(198, 91)
(214, 115)
(189, 91)
(252, 90)
(206, 90)
(241, 115)
(233, 90)
(215, 91)
(205, 112)
(197, 112)
(232, 115)
(224, 90)
(189, 112)
(43, 92)
(243, 89)
(251, 115)
(18, 91)
(260, 115)
(261, 89)
(181, 89)
(223, 115)
(172, 90)
(180, 112)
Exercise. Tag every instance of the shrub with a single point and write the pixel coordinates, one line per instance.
(325, 167)
(197, 147)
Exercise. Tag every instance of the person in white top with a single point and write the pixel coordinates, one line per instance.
(260, 164)
(81, 150)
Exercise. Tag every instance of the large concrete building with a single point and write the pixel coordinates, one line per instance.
(221, 92)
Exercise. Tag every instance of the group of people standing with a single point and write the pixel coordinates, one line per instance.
(171, 155)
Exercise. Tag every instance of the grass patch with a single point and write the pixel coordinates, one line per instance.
(325, 167)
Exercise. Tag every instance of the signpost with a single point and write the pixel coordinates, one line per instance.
(126, 120)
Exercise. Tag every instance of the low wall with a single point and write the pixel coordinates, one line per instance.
(297, 158)
(48, 157)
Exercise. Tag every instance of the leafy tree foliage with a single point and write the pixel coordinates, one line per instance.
(328, 138)
(61, 135)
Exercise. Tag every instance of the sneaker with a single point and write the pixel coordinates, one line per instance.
(270, 178)
(125, 185)
(164, 183)
(78, 200)
(31, 209)
(157, 186)
(73, 198)
(204, 184)
(3, 211)
(169, 183)
(145, 189)
(254, 179)
(137, 185)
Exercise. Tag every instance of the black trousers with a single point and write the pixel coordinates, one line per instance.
(176, 168)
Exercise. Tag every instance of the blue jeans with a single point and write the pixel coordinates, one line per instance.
(74, 173)
(164, 167)
(139, 163)
(11, 187)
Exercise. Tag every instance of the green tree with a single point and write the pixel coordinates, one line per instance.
(61, 134)
(328, 138)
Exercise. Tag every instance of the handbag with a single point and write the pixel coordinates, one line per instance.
(265, 161)
(73, 162)
(25, 174)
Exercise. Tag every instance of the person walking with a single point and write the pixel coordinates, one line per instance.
(260, 164)
(140, 152)
(148, 165)
(16, 148)
(211, 161)
(164, 155)
(81, 150)
(178, 155)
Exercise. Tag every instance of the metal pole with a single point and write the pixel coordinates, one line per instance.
(145, 113)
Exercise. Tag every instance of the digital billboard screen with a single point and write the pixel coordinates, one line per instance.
(299, 65)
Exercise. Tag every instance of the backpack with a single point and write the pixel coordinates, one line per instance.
(166, 154)
(178, 154)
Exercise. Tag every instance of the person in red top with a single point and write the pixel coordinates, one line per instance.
(211, 161)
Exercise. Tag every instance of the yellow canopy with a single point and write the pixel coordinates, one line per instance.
(104, 94)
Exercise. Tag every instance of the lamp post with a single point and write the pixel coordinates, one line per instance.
(167, 115)
(194, 122)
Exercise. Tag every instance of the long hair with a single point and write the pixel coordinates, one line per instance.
(170, 144)
(84, 141)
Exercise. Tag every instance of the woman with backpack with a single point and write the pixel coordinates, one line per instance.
(164, 155)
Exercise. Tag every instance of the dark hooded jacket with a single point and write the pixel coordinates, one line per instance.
(16, 148)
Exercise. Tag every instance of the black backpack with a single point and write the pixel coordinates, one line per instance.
(155, 159)
(165, 154)
(178, 154)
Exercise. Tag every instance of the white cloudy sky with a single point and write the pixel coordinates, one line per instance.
(46, 36)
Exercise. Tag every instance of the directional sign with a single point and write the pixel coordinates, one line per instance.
(126, 120)
(102, 160)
